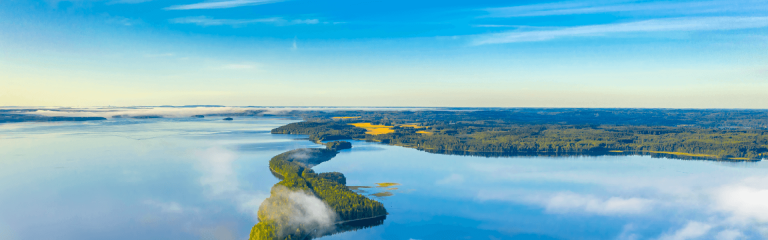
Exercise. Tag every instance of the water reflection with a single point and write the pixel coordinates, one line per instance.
(355, 225)
(197, 179)
(584, 154)
(576, 197)
(133, 179)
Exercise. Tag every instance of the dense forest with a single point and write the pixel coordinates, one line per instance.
(321, 131)
(704, 118)
(716, 134)
(294, 169)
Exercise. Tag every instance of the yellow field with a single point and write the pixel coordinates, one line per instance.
(424, 132)
(686, 154)
(339, 118)
(386, 184)
(616, 151)
(739, 158)
(374, 129)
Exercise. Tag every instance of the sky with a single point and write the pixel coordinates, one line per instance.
(482, 53)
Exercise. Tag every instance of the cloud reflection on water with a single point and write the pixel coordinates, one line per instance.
(220, 180)
(732, 205)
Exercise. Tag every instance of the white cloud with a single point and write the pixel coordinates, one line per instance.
(221, 4)
(311, 210)
(302, 210)
(566, 202)
(452, 179)
(207, 21)
(584, 7)
(691, 230)
(653, 25)
(729, 234)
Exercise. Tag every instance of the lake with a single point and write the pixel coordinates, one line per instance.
(190, 178)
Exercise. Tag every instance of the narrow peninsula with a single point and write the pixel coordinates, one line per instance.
(289, 212)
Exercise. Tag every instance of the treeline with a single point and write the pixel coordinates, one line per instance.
(294, 167)
(511, 138)
(573, 139)
(338, 145)
(14, 118)
(318, 131)
(704, 118)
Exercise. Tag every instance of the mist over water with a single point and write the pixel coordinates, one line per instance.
(220, 180)
(184, 112)
(196, 179)
(305, 211)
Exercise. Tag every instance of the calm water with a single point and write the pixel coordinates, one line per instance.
(205, 178)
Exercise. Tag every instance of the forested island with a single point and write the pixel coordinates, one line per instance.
(708, 134)
(16, 118)
(285, 214)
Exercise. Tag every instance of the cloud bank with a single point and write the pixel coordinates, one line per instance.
(169, 112)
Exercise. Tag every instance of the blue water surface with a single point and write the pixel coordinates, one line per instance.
(189, 178)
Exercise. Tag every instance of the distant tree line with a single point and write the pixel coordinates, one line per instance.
(501, 137)
(321, 131)
(704, 118)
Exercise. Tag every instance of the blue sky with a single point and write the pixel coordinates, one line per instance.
(698, 54)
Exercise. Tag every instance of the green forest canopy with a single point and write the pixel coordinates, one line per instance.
(294, 167)
(509, 133)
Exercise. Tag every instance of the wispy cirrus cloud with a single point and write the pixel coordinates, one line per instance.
(691, 230)
(207, 21)
(646, 26)
(676, 7)
(118, 20)
(221, 4)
